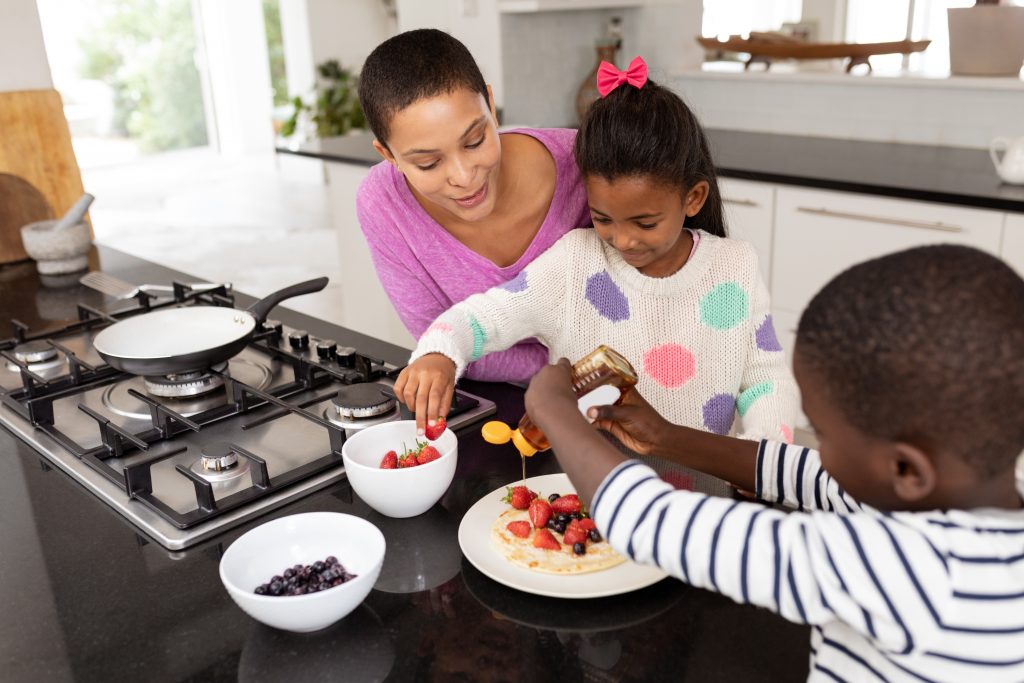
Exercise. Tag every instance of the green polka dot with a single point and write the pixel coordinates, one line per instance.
(725, 307)
(753, 393)
(479, 337)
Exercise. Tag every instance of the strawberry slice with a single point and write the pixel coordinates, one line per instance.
(543, 539)
(564, 505)
(574, 535)
(437, 430)
(427, 454)
(519, 497)
(540, 512)
(389, 461)
(520, 528)
(587, 524)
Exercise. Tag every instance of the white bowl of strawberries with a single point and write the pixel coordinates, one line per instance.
(397, 474)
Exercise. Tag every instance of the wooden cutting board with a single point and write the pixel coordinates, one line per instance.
(39, 176)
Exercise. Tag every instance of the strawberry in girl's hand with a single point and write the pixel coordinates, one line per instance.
(540, 512)
(389, 461)
(519, 497)
(544, 539)
(435, 431)
(565, 505)
(427, 454)
(520, 528)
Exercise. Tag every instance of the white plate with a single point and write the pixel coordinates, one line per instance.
(475, 541)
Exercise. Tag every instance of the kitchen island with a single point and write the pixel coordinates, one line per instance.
(87, 597)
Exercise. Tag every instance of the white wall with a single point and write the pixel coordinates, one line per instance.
(23, 64)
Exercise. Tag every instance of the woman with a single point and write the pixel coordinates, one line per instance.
(456, 208)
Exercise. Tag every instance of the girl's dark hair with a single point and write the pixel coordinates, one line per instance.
(412, 66)
(650, 132)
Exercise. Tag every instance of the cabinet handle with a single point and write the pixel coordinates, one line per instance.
(943, 227)
(740, 202)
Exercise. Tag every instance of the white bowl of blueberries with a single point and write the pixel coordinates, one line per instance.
(303, 572)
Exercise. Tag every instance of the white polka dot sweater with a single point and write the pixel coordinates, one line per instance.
(701, 339)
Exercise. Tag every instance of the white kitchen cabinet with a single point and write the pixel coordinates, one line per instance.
(1013, 241)
(818, 234)
(749, 208)
(365, 306)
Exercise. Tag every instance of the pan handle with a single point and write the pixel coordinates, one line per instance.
(262, 308)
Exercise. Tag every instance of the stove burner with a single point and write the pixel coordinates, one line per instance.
(356, 401)
(34, 352)
(218, 462)
(185, 384)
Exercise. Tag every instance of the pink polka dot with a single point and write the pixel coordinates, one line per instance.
(787, 433)
(669, 364)
(438, 327)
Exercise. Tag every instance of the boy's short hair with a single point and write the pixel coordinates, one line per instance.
(409, 67)
(925, 346)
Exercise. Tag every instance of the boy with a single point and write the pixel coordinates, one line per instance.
(911, 368)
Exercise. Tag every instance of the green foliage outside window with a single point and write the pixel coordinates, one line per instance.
(143, 49)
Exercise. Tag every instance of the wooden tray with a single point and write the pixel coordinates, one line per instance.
(766, 50)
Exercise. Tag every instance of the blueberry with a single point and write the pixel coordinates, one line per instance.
(331, 559)
(564, 519)
(288, 573)
(276, 579)
(337, 582)
(560, 527)
(594, 536)
(551, 523)
(553, 497)
(276, 587)
(295, 591)
(318, 566)
(261, 589)
(579, 549)
(574, 515)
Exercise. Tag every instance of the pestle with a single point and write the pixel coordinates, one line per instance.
(74, 214)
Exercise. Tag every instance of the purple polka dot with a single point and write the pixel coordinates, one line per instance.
(765, 336)
(719, 412)
(516, 284)
(606, 297)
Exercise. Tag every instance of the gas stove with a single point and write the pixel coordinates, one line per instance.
(186, 456)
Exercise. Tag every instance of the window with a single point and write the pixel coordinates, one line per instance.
(740, 17)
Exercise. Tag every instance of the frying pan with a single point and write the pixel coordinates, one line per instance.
(176, 340)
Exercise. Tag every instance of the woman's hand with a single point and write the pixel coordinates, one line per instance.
(426, 388)
(637, 425)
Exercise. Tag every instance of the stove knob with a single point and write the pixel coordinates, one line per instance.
(274, 326)
(325, 348)
(346, 356)
(299, 339)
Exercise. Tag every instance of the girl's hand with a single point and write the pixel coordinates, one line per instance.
(637, 425)
(426, 388)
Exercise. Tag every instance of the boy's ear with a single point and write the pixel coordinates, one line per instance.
(913, 474)
(383, 150)
(695, 198)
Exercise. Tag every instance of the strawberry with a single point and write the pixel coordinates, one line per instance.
(519, 497)
(407, 460)
(566, 504)
(587, 524)
(540, 512)
(574, 535)
(544, 539)
(389, 461)
(437, 430)
(427, 454)
(520, 528)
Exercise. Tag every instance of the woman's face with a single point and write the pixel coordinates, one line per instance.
(447, 148)
(643, 220)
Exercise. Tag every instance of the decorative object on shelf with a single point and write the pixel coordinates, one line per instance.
(1011, 167)
(764, 47)
(336, 109)
(607, 49)
(986, 40)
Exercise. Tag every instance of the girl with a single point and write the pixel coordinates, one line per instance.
(456, 208)
(656, 279)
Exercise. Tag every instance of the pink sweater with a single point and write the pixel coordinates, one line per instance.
(425, 270)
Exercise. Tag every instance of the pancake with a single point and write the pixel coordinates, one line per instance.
(521, 551)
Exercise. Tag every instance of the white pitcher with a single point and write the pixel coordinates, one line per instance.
(1011, 167)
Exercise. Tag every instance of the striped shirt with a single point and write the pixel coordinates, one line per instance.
(923, 596)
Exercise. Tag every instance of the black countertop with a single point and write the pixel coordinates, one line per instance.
(950, 175)
(87, 598)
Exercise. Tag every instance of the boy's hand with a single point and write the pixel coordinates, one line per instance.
(426, 388)
(634, 423)
(550, 390)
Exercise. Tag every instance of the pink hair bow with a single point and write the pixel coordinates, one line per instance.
(609, 77)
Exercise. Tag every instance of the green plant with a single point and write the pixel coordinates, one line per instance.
(336, 110)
